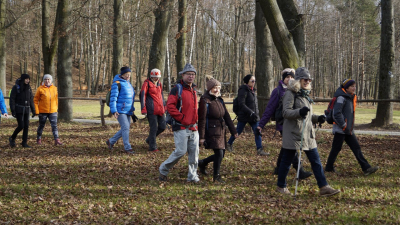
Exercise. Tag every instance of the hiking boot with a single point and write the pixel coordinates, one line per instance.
(25, 145)
(284, 191)
(202, 167)
(276, 171)
(261, 152)
(155, 150)
(304, 174)
(147, 140)
(162, 178)
(130, 151)
(12, 142)
(371, 170)
(218, 179)
(328, 191)
(39, 141)
(110, 146)
(57, 142)
(229, 147)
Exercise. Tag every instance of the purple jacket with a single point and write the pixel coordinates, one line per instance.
(272, 105)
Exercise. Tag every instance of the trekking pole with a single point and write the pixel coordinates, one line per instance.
(298, 166)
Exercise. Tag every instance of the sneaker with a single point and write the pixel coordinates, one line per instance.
(328, 191)
(193, 181)
(130, 151)
(371, 170)
(284, 191)
(218, 179)
(162, 178)
(261, 152)
(202, 167)
(12, 142)
(229, 147)
(110, 146)
(147, 140)
(57, 142)
(39, 141)
(155, 150)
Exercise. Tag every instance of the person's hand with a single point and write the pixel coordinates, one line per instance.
(321, 119)
(304, 111)
(134, 118)
(5, 115)
(116, 114)
(259, 128)
(253, 117)
(13, 114)
(33, 115)
(201, 141)
(236, 136)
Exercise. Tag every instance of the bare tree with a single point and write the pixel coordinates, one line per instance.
(181, 36)
(118, 39)
(49, 42)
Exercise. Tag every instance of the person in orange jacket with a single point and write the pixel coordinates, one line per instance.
(46, 104)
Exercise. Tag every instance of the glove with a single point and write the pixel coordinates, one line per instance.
(33, 115)
(253, 117)
(13, 114)
(134, 118)
(304, 111)
(321, 119)
(258, 133)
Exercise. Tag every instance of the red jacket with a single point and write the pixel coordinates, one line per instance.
(189, 115)
(152, 101)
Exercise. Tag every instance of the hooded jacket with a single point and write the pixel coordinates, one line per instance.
(46, 99)
(248, 104)
(122, 101)
(293, 122)
(344, 112)
(152, 102)
(20, 97)
(3, 107)
(273, 103)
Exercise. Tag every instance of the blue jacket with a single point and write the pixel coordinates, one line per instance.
(3, 107)
(122, 101)
(273, 103)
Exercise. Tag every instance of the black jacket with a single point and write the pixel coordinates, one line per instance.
(21, 96)
(248, 104)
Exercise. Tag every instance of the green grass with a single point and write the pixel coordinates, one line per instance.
(83, 182)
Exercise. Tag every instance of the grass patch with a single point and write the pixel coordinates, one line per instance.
(83, 182)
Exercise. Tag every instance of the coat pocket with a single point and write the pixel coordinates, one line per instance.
(214, 128)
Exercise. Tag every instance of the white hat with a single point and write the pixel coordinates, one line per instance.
(47, 76)
(155, 73)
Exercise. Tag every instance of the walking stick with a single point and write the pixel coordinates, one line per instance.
(298, 166)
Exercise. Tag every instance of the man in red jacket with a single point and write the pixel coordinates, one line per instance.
(153, 105)
(186, 136)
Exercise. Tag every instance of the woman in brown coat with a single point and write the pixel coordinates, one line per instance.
(213, 116)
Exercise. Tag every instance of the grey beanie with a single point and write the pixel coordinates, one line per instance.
(48, 76)
(188, 68)
(302, 73)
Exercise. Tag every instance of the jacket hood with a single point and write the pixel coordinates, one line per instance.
(118, 78)
(340, 92)
(294, 85)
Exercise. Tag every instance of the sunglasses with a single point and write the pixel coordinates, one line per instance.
(309, 80)
(253, 81)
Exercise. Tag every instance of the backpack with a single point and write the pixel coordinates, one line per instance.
(329, 111)
(279, 111)
(168, 118)
(235, 107)
(273, 117)
(140, 94)
(109, 93)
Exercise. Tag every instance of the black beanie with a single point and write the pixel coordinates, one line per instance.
(25, 76)
(247, 78)
(285, 74)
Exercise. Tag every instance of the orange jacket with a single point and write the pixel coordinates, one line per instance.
(46, 99)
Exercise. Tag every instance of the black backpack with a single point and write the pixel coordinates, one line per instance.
(168, 118)
(235, 107)
(279, 111)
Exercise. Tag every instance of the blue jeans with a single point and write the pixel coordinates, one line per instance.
(239, 128)
(42, 122)
(313, 157)
(125, 121)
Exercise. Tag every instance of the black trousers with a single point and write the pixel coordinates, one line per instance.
(23, 124)
(352, 142)
(157, 126)
(217, 159)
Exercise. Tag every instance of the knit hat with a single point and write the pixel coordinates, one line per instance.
(347, 83)
(25, 76)
(48, 76)
(287, 72)
(125, 69)
(155, 73)
(212, 83)
(247, 78)
(188, 68)
(302, 73)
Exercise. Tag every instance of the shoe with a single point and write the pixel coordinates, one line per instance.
(202, 167)
(39, 141)
(371, 170)
(25, 145)
(130, 151)
(193, 181)
(155, 150)
(147, 140)
(12, 142)
(57, 142)
(328, 191)
(110, 146)
(229, 147)
(276, 171)
(304, 174)
(162, 178)
(218, 179)
(284, 191)
(261, 152)
(334, 171)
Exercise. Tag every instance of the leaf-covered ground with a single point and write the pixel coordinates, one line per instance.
(83, 182)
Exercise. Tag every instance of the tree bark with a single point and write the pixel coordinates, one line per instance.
(3, 46)
(49, 47)
(118, 39)
(384, 112)
(181, 36)
(64, 60)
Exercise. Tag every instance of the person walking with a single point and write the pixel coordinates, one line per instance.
(122, 100)
(343, 114)
(273, 103)
(21, 104)
(213, 119)
(248, 113)
(3, 107)
(298, 132)
(186, 135)
(153, 106)
(46, 104)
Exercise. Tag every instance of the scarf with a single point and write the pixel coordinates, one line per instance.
(305, 94)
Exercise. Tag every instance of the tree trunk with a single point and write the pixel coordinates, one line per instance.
(3, 46)
(384, 112)
(181, 36)
(161, 29)
(118, 39)
(49, 47)
(64, 60)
